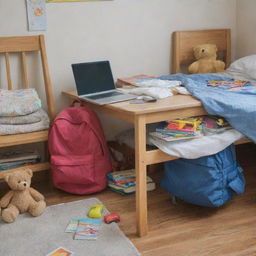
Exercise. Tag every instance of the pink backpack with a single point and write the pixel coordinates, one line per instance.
(80, 158)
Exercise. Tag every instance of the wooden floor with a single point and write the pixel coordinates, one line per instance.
(183, 229)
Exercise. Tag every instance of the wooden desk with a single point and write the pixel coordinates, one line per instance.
(178, 106)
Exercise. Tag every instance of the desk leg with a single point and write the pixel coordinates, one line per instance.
(141, 176)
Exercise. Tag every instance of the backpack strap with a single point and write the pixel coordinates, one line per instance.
(100, 138)
(237, 185)
(95, 126)
(77, 101)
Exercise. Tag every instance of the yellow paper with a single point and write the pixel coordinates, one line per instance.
(56, 1)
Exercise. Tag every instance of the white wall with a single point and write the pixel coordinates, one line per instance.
(133, 34)
(246, 27)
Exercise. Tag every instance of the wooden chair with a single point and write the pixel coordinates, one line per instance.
(183, 43)
(23, 46)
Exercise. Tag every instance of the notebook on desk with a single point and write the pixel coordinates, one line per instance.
(95, 83)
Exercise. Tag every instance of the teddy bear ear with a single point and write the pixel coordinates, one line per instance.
(195, 48)
(6, 177)
(29, 172)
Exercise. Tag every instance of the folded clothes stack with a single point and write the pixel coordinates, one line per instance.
(151, 86)
(21, 112)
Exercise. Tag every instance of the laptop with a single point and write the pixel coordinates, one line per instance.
(95, 83)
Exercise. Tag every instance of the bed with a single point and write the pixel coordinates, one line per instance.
(234, 103)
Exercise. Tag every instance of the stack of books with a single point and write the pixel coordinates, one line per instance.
(214, 124)
(124, 182)
(15, 159)
(179, 129)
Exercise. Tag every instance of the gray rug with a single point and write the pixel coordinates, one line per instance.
(30, 236)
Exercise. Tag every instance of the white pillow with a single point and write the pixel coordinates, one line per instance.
(245, 66)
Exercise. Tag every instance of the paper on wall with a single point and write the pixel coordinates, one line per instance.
(36, 12)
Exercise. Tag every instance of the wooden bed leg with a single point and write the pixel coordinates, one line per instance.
(141, 176)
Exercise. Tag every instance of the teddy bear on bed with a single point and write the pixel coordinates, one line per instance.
(21, 198)
(206, 55)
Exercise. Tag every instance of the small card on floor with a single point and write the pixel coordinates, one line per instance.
(88, 229)
(72, 225)
(61, 252)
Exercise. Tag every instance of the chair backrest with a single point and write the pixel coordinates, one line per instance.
(22, 45)
(183, 43)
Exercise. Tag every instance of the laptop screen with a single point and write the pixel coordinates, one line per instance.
(93, 77)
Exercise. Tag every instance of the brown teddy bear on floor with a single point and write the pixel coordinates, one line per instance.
(21, 198)
(206, 55)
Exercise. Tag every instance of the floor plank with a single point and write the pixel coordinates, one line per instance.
(182, 229)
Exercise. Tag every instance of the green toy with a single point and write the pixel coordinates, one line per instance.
(96, 211)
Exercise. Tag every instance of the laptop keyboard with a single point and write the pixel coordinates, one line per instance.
(104, 95)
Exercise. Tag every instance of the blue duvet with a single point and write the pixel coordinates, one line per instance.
(237, 107)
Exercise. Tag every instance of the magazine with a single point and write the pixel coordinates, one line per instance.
(167, 137)
(72, 225)
(231, 85)
(214, 124)
(87, 229)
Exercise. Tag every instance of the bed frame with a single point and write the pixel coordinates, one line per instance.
(183, 43)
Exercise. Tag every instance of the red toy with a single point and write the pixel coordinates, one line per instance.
(113, 217)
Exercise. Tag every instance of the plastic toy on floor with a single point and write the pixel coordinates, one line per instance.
(113, 217)
(96, 211)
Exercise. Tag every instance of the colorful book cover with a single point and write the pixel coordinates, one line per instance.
(72, 225)
(7, 166)
(58, 1)
(185, 124)
(173, 132)
(122, 175)
(123, 185)
(123, 181)
(231, 85)
(61, 251)
(87, 229)
(131, 189)
(214, 124)
(167, 137)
